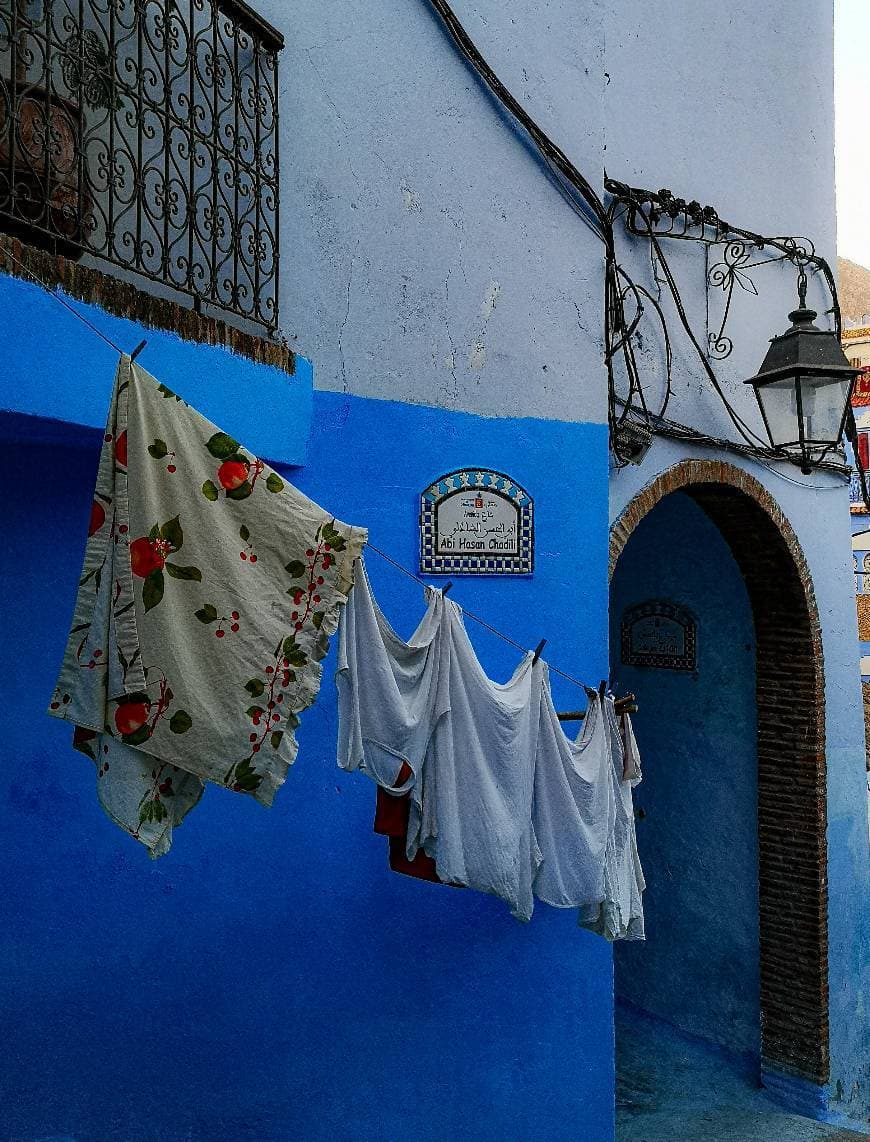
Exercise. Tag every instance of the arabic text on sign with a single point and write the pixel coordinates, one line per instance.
(471, 521)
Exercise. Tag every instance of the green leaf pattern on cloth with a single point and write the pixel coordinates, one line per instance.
(194, 667)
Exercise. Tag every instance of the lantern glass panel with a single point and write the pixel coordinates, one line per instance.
(824, 402)
(778, 401)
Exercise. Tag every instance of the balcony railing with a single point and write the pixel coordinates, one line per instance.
(145, 133)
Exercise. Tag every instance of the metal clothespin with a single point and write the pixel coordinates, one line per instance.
(138, 350)
(538, 650)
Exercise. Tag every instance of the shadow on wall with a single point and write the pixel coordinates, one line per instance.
(697, 804)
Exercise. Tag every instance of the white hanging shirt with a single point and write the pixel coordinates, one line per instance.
(501, 799)
(620, 914)
(574, 808)
(469, 742)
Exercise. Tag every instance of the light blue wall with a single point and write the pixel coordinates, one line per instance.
(270, 979)
(429, 258)
(702, 100)
(698, 831)
(817, 508)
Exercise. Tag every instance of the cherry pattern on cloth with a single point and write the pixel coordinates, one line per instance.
(317, 560)
(160, 450)
(208, 614)
(247, 555)
(191, 655)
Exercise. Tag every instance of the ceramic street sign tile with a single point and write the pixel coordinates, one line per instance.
(476, 522)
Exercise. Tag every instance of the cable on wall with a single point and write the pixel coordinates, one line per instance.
(626, 301)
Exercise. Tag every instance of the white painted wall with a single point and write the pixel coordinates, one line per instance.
(731, 105)
(425, 256)
(857, 349)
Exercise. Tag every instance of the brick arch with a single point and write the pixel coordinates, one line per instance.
(791, 751)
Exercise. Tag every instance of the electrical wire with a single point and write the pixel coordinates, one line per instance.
(61, 300)
(620, 331)
(476, 618)
(799, 483)
(676, 431)
(560, 166)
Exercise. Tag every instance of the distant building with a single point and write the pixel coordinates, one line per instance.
(856, 343)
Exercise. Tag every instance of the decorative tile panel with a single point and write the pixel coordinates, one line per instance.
(476, 521)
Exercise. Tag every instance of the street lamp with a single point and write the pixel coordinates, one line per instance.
(803, 387)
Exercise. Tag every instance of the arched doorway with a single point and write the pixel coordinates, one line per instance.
(753, 556)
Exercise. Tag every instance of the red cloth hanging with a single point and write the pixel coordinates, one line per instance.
(391, 820)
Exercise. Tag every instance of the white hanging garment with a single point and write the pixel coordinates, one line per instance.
(472, 812)
(574, 807)
(500, 798)
(391, 693)
(632, 753)
(620, 915)
(209, 591)
(469, 742)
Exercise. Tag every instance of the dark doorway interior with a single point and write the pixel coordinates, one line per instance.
(731, 814)
(697, 805)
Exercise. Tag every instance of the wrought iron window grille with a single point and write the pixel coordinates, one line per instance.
(144, 133)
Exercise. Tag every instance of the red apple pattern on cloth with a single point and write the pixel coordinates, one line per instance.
(209, 590)
(98, 518)
(149, 559)
(237, 473)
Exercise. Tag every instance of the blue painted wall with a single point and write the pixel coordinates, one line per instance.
(54, 370)
(270, 978)
(697, 836)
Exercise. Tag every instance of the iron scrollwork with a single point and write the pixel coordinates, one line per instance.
(735, 270)
(145, 133)
(657, 214)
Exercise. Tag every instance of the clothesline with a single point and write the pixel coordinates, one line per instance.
(478, 784)
(94, 329)
(476, 618)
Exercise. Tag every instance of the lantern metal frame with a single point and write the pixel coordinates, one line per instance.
(802, 353)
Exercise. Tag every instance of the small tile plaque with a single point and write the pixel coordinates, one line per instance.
(659, 634)
(476, 522)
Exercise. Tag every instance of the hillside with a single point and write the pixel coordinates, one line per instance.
(854, 289)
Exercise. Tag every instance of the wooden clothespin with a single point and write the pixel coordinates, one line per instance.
(138, 350)
(627, 704)
(538, 650)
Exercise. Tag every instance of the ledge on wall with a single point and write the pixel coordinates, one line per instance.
(59, 372)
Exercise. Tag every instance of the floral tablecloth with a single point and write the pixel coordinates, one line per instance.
(209, 590)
